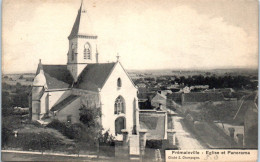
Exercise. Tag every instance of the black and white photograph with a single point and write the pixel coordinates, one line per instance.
(129, 80)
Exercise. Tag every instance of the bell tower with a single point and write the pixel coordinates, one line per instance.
(82, 44)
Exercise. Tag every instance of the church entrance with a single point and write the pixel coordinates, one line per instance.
(119, 125)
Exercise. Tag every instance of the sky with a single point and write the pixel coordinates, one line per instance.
(147, 34)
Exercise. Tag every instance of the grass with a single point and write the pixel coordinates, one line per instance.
(32, 136)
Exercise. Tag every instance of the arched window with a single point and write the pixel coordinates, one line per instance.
(73, 47)
(119, 106)
(119, 83)
(87, 51)
(72, 55)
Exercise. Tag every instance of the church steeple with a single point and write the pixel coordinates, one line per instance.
(82, 43)
(82, 25)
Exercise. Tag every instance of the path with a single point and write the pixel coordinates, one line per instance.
(185, 138)
(12, 155)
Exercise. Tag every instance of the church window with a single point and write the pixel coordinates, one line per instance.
(119, 83)
(72, 55)
(87, 51)
(72, 51)
(119, 106)
(47, 104)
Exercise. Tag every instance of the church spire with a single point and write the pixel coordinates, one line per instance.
(82, 7)
(82, 25)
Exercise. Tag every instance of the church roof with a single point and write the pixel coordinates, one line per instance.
(64, 103)
(82, 25)
(57, 76)
(94, 76)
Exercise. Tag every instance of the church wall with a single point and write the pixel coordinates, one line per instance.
(43, 103)
(110, 92)
(70, 110)
(35, 110)
(36, 104)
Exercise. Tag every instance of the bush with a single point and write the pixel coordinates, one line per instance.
(62, 128)
(6, 133)
(106, 139)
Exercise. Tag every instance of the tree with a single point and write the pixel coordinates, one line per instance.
(21, 77)
(92, 130)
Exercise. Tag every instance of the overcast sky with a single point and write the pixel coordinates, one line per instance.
(147, 34)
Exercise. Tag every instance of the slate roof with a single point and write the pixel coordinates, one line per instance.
(94, 76)
(57, 76)
(75, 27)
(202, 97)
(64, 103)
(154, 123)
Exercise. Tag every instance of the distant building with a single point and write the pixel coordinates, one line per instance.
(142, 87)
(202, 87)
(159, 101)
(144, 100)
(186, 89)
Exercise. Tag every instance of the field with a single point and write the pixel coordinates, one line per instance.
(192, 72)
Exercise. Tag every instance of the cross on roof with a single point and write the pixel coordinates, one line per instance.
(117, 57)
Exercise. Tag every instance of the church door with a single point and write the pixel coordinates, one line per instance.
(119, 125)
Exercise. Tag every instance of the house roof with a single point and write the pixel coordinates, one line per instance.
(160, 95)
(145, 96)
(64, 103)
(94, 76)
(57, 76)
(202, 97)
(154, 123)
(176, 97)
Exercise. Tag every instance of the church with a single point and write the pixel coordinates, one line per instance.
(59, 91)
